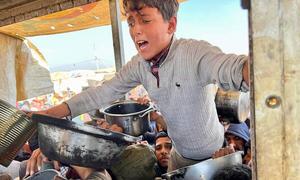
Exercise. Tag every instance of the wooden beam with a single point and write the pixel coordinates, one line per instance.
(275, 67)
(116, 25)
(15, 11)
(4, 4)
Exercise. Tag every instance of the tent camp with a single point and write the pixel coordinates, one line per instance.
(274, 28)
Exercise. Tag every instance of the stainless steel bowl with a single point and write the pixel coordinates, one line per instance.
(204, 170)
(133, 117)
(82, 145)
(48, 174)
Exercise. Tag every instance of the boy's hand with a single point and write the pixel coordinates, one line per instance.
(246, 72)
(34, 163)
(83, 172)
(104, 125)
(223, 152)
(154, 116)
(143, 100)
(59, 111)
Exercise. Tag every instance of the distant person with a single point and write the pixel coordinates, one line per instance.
(237, 137)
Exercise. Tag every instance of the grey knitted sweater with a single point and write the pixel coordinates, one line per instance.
(185, 96)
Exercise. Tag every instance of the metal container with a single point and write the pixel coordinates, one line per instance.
(48, 174)
(204, 170)
(233, 105)
(15, 129)
(133, 117)
(81, 145)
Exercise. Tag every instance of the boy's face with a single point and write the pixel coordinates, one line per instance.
(237, 142)
(149, 32)
(163, 147)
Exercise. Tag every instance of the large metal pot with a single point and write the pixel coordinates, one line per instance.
(82, 145)
(204, 170)
(133, 117)
(233, 106)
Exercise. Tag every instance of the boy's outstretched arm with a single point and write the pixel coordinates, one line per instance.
(60, 111)
(246, 72)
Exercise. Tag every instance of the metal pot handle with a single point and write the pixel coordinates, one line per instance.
(151, 109)
(102, 110)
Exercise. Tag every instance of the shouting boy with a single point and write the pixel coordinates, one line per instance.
(178, 75)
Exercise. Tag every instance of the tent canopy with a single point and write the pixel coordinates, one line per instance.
(77, 18)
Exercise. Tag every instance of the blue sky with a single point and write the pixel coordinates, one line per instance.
(221, 22)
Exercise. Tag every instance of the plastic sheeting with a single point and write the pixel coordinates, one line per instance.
(24, 72)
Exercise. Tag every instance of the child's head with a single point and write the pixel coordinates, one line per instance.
(152, 24)
(167, 8)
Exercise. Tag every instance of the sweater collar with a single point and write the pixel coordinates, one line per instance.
(171, 46)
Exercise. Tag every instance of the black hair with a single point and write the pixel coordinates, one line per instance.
(235, 172)
(161, 134)
(168, 8)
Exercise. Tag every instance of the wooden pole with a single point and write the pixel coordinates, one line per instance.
(116, 25)
(275, 67)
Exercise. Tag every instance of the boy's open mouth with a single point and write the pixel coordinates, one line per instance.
(142, 44)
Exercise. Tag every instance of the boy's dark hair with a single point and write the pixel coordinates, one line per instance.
(235, 172)
(161, 134)
(168, 8)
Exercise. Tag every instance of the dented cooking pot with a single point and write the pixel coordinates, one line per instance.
(233, 105)
(81, 145)
(133, 117)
